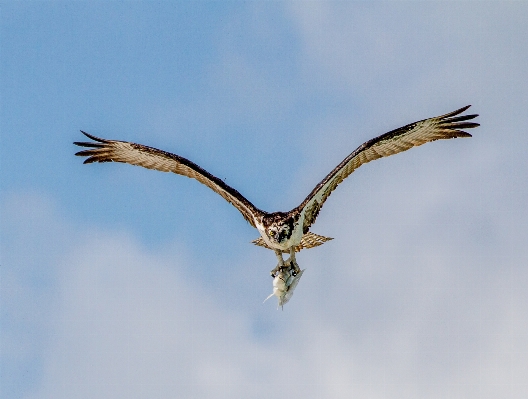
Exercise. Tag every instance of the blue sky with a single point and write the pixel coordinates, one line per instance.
(118, 281)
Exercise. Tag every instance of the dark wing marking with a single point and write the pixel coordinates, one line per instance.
(446, 126)
(102, 150)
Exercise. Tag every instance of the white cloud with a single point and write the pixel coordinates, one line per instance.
(124, 321)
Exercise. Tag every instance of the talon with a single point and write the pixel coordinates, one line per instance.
(293, 262)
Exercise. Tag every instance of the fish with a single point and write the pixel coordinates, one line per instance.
(284, 283)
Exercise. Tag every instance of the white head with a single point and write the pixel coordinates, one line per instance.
(278, 227)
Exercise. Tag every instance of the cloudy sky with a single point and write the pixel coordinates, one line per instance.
(122, 282)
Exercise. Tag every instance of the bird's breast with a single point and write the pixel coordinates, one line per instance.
(292, 241)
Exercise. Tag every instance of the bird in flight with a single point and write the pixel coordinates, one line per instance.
(284, 232)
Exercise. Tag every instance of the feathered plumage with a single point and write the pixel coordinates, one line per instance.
(448, 126)
(285, 231)
(102, 150)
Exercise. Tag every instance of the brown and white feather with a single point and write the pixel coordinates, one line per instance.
(446, 126)
(102, 150)
(308, 240)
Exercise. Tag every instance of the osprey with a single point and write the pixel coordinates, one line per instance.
(284, 232)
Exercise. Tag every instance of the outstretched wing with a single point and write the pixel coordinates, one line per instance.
(446, 126)
(102, 150)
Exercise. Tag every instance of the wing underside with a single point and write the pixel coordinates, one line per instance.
(102, 150)
(446, 126)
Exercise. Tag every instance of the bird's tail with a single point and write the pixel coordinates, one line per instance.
(309, 240)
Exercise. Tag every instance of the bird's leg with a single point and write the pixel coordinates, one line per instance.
(280, 265)
(296, 268)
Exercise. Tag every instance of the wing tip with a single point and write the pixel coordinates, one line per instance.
(95, 151)
(457, 112)
(455, 122)
(92, 137)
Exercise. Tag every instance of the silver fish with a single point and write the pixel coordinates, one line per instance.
(284, 283)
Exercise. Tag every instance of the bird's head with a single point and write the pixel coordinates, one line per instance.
(278, 227)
